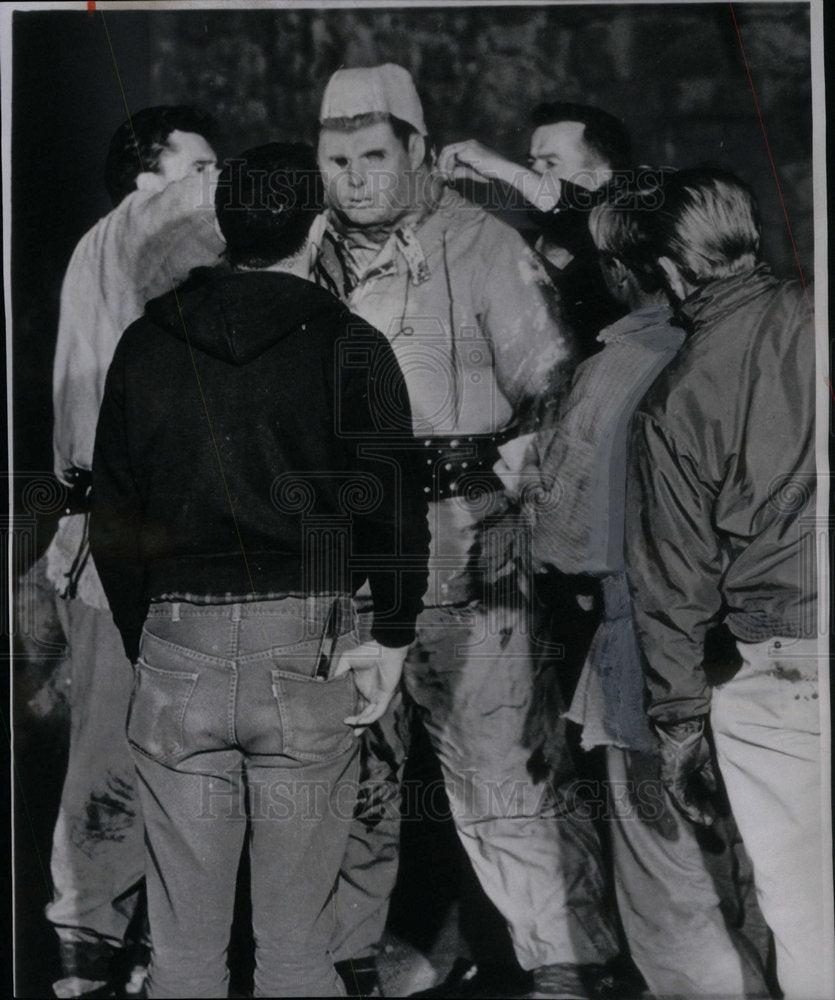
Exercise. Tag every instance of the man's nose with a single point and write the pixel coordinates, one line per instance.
(355, 177)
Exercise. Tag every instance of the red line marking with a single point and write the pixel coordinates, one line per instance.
(91, 6)
(771, 160)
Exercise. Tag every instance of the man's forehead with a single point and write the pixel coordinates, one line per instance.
(189, 144)
(375, 136)
(558, 137)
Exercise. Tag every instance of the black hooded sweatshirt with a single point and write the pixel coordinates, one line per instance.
(255, 441)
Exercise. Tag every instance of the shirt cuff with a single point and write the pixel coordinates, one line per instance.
(393, 636)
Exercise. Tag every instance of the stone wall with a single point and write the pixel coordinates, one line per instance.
(674, 73)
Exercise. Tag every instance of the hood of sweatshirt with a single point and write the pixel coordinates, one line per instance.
(238, 315)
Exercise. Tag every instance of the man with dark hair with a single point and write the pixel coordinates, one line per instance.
(578, 153)
(251, 468)
(144, 146)
(159, 174)
(256, 214)
(722, 528)
(485, 351)
(603, 136)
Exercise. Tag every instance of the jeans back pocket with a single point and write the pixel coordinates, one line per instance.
(157, 710)
(312, 713)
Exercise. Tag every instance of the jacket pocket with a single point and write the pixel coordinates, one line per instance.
(157, 710)
(312, 713)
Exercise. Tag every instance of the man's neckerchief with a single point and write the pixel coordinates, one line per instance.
(357, 247)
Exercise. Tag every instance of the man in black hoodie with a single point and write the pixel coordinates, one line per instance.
(253, 464)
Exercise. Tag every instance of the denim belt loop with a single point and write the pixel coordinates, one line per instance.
(236, 612)
(175, 611)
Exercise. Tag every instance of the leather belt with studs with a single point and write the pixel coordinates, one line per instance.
(460, 466)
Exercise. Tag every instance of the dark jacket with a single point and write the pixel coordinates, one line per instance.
(720, 521)
(587, 303)
(255, 441)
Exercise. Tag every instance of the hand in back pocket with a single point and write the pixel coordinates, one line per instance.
(376, 670)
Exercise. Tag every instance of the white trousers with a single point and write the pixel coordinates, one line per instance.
(766, 726)
(669, 906)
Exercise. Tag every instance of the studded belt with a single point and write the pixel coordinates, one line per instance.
(460, 466)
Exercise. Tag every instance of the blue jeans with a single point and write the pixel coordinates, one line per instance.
(233, 736)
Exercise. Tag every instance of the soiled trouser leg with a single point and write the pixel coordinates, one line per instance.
(532, 846)
(369, 869)
(97, 850)
(669, 906)
(766, 725)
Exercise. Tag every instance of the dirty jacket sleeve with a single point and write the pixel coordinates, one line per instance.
(674, 564)
(148, 243)
(533, 346)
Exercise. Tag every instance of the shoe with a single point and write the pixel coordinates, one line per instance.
(622, 984)
(566, 981)
(130, 972)
(404, 970)
(94, 969)
(75, 986)
(134, 987)
(359, 976)
(468, 979)
(87, 967)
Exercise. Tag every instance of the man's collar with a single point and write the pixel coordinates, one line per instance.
(723, 296)
(649, 317)
(409, 246)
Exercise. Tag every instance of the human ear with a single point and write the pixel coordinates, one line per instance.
(619, 272)
(674, 279)
(615, 276)
(417, 150)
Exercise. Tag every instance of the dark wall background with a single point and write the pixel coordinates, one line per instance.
(673, 73)
(66, 104)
